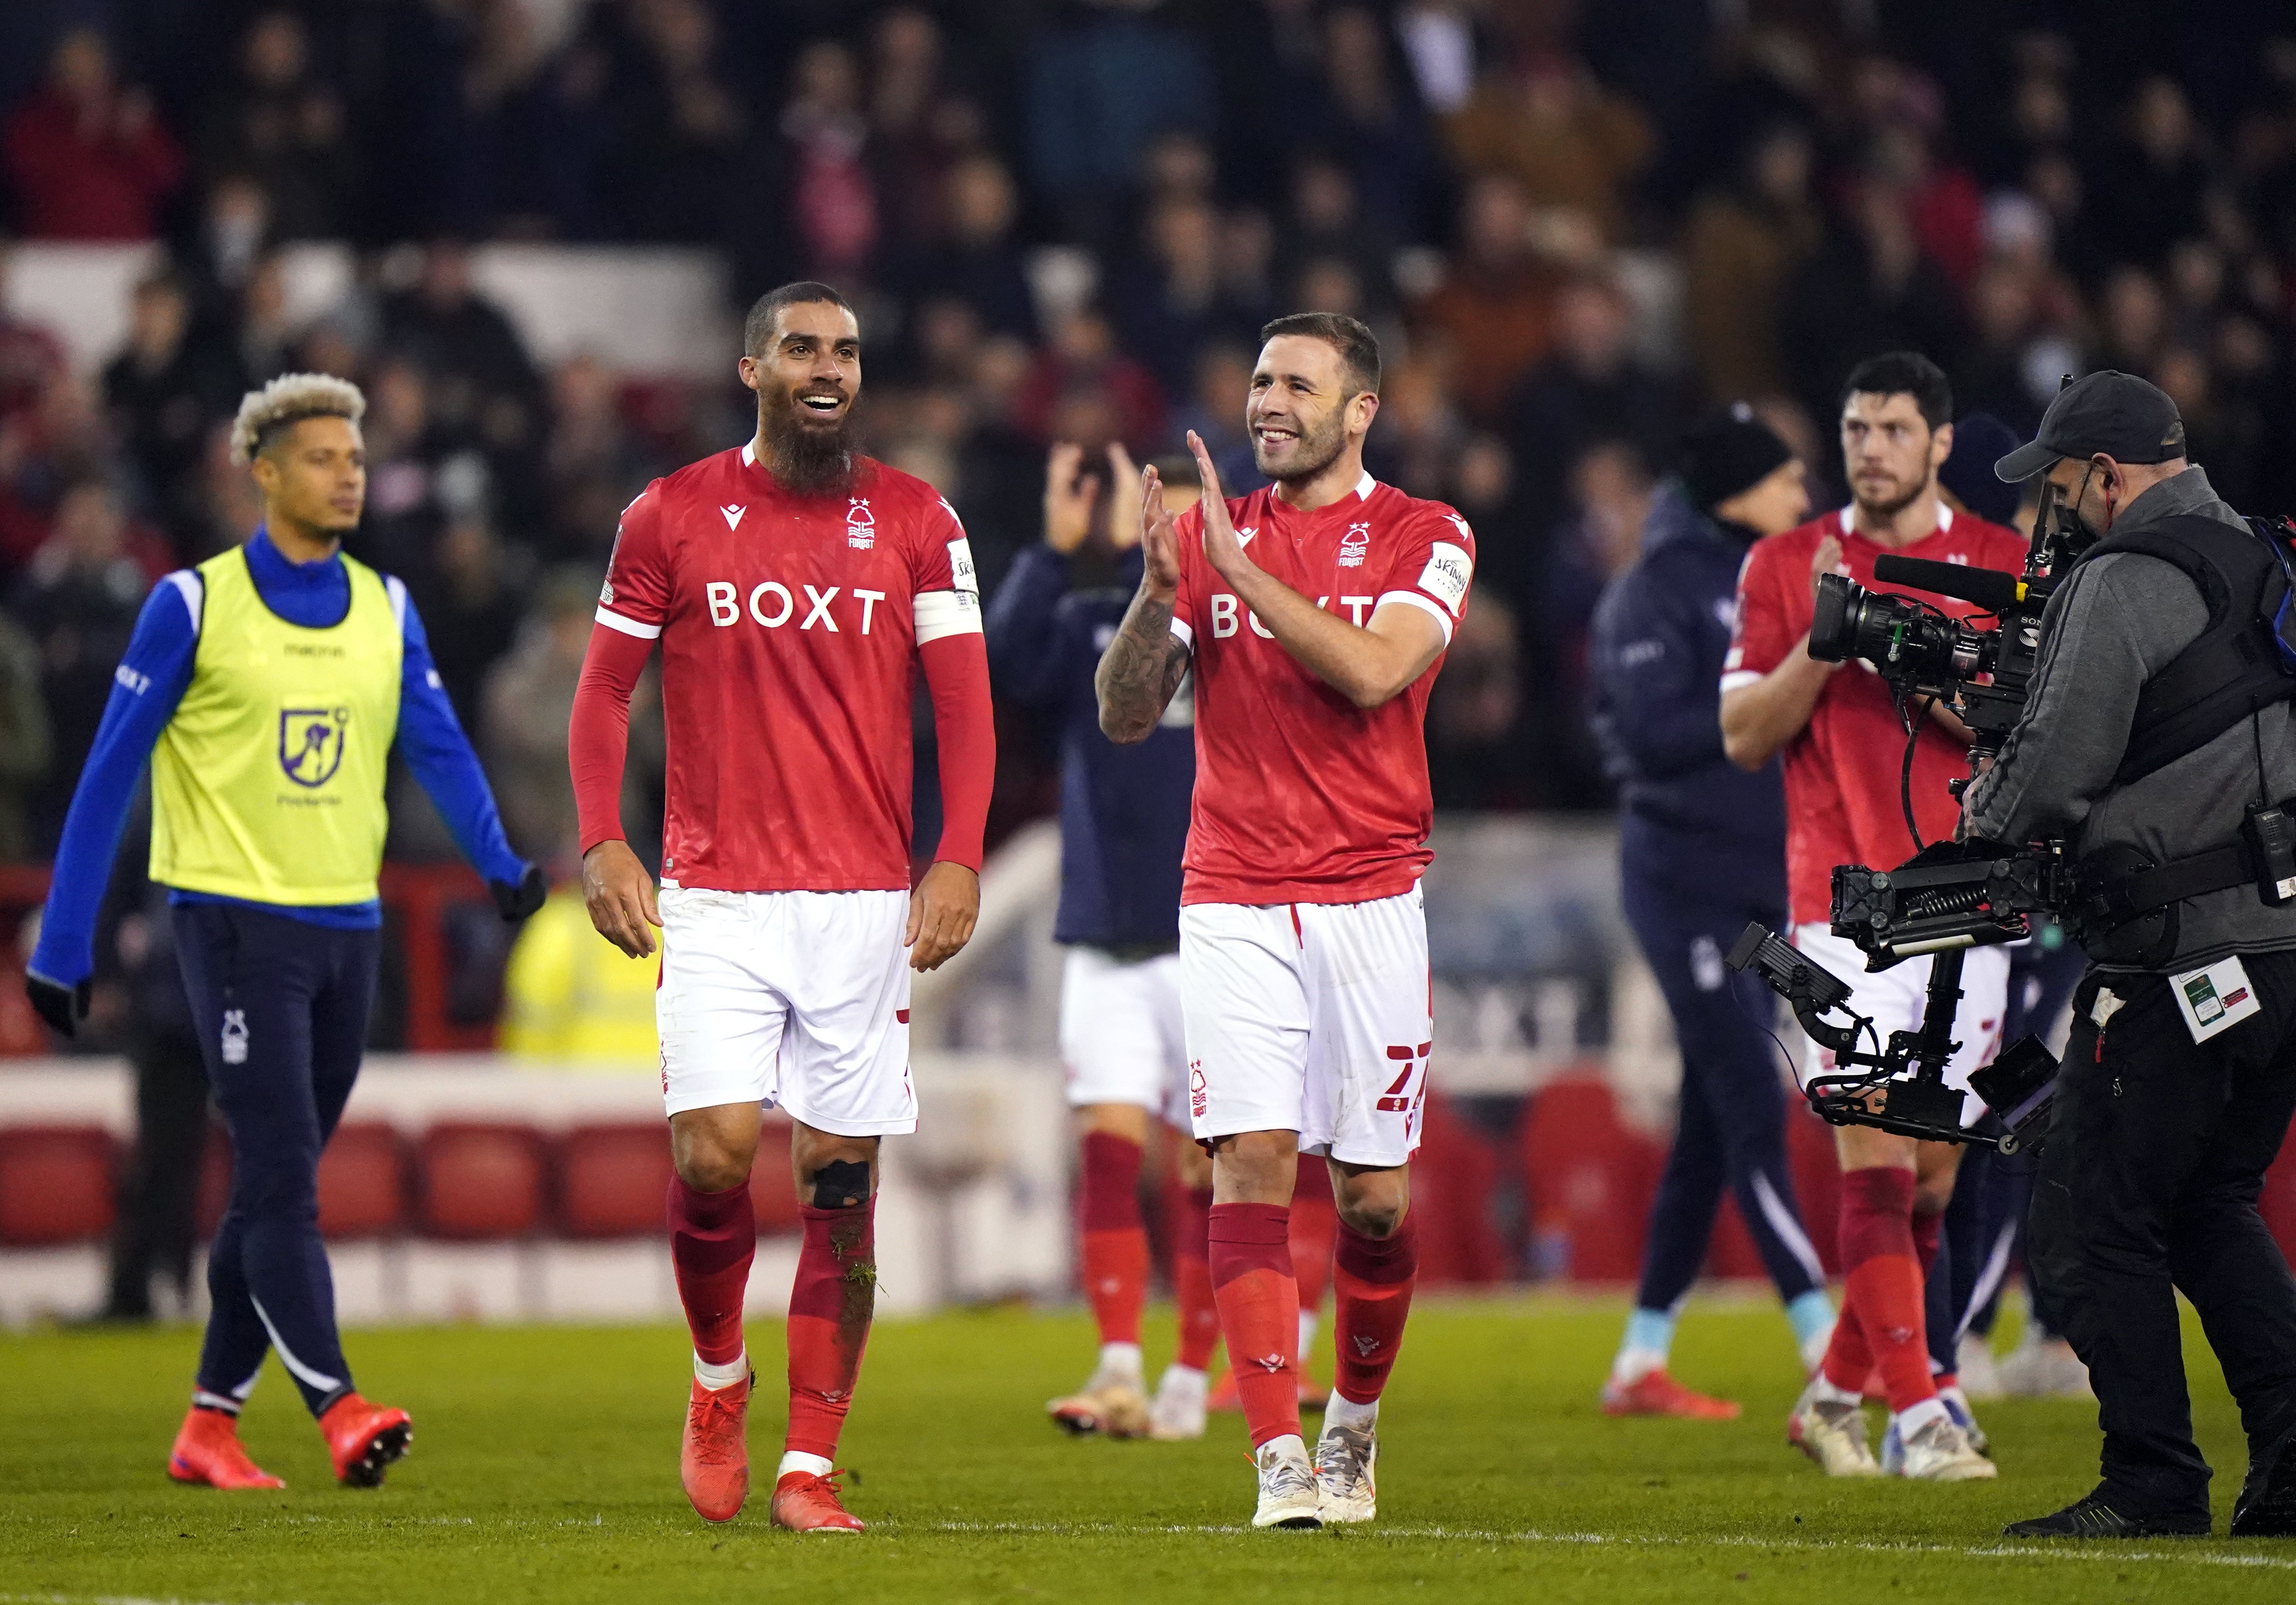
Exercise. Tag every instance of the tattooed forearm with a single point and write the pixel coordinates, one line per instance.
(1140, 670)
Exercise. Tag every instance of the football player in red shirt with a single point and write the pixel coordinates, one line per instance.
(794, 585)
(1844, 744)
(1315, 613)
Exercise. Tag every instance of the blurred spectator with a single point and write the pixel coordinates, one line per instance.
(975, 259)
(1327, 225)
(87, 158)
(531, 132)
(163, 392)
(26, 751)
(1566, 140)
(571, 1001)
(527, 699)
(1100, 86)
(1082, 387)
(1612, 487)
(1493, 311)
(482, 387)
(1473, 714)
(831, 214)
(2156, 174)
(1591, 386)
(671, 154)
(271, 121)
(78, 601)
(1742, 243)
(1174, 301)
(920, 127)
(31, 357)
(471, 605)
(1869, 288)
(1218, 392)
(1377, 122)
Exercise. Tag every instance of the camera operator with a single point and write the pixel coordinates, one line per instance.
(1839, 729)
(1702, 850)
(2181, 1076)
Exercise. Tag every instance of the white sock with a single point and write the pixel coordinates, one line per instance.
(1812, 1349)
(1344, 1412)
(1180, 1382)
(795, 1462)
(1306, 1333)
(1290, 1446)
(1633, 1363)
(1825, 1391)
(714, 1377)
(1119, 1359)
(1912, 1420)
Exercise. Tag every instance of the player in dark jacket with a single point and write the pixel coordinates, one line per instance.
(1702, 852)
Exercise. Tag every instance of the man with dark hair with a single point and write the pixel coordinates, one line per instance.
(1314, 614)
(1702, 850)
(796, 587)
(1844, 748)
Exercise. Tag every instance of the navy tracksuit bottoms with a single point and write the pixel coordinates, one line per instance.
(1731, 1129)
(280, 1006)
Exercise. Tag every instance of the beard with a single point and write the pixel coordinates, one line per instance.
(1890, 505)
(1319, 447)
(811, 458)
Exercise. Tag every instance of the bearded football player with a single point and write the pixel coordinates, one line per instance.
(1316, 614)
(795, 586)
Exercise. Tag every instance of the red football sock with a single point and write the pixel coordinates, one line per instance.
(713, 1237)
(1259, 1312)
(1849, 1358)
(1115, 1241)
(831, 1304)
(1884, 1279)
(1191, 1279)
(1373, 1276)
(1315, 1231)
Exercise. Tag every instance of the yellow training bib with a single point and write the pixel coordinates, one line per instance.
(268, 784)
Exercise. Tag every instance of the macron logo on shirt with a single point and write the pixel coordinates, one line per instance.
(733, 516)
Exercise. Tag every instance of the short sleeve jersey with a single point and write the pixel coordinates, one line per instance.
(1843, 803)
(1302, 797)
(790, 626)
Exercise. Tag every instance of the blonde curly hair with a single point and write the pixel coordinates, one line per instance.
(286, 400)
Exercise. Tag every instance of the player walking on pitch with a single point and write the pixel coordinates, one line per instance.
(1315, 612)
(794, 585)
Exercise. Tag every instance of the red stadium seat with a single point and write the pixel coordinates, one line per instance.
(1816, 1179)
(481, 1180)
(363, 1182)
(612, 1180)
(1589, 1178)
(772, 1194)
(1453, 1176)
(56, 1184)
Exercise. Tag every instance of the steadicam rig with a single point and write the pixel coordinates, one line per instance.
(1964, 897)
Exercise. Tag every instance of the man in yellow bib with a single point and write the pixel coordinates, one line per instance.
(268, 687)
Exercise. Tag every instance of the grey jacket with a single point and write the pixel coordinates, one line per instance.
(2118, 620)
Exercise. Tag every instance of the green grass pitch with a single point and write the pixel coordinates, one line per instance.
(545, 1468)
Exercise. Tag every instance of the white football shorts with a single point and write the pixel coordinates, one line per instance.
(1895, 998)
(1312, 1018)
(798, 1000)
(1122, 1036)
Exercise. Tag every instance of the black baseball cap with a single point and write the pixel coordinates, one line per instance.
(1729, 451)
(2116, 413)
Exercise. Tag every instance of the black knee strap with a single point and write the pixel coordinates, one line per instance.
(842, 1184)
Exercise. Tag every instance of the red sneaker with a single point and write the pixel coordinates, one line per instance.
(1659, 1394)
(1225, 1400)
(713, 1462)
(364, 1440)
(807, 1503)
(208, 1450)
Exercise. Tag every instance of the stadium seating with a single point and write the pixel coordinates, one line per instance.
(482, 1180)
(363, 1182)
(1589, 1177)
(772, 1194)
(56, 1184)
(612, 1180)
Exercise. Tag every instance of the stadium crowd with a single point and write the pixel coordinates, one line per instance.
(1574, 228)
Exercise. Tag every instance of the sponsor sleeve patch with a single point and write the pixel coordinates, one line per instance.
(1445, 578)
(962, 575)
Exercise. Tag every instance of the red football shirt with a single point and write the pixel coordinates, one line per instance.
(1843, 771)
(790, 626)
(1302, 797)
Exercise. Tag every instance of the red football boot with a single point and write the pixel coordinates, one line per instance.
(714, 1460)
(1659, 1394)
(208, 1450)
(807, 1503)
(364, 1440)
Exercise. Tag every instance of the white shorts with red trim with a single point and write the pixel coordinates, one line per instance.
(798, 1000)
(1122, 1038)
(1895, 998)
(1312, 1018)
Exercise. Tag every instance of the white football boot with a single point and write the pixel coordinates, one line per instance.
(1178, 1409)
(1287, 1486)
(1344, 1458)
(1832, 1433)
(1938, 1451)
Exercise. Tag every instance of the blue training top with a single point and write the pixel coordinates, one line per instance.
(1124, 810)
(151, 681)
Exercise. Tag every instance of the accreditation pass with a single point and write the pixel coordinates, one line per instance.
(2214, 998)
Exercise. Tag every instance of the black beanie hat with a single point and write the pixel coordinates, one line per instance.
(1727, 452)
(1978, 440)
